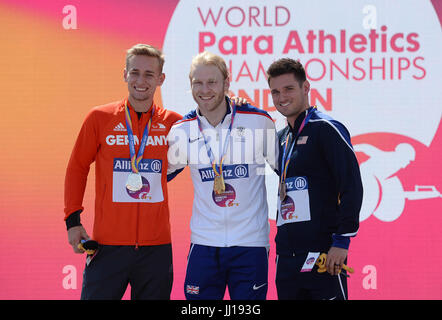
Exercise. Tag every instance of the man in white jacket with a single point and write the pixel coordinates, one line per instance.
(226, 147)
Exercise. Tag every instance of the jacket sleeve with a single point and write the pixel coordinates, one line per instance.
(339, 154)
(271, 145)
(177, 153)
(82, 156)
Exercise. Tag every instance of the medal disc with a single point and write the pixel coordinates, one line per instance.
(134, 182)
(218, 185)
(282, 191)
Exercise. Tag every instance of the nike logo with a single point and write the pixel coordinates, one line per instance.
(193, 140)
(257, 287)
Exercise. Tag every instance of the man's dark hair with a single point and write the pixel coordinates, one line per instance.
(284, 66)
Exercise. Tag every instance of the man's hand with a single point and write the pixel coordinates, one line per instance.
(239, 101)
(335, 260)
(75, 235)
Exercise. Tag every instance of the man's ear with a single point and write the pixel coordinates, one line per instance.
(125, 75)
(162, 78)
(226, 85)
(306, 87)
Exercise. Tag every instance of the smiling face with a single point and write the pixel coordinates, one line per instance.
(209, 88)
(143, 75)
(289, 96)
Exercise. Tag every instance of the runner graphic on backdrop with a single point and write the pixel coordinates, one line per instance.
(384, 195)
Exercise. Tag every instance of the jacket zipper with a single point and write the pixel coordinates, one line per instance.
(139, 122)
(136, 234)
(226, 227)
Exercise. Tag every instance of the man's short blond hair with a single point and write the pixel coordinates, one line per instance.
(145, 50)
(208, 58)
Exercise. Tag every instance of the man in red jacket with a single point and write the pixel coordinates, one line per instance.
(127, 141)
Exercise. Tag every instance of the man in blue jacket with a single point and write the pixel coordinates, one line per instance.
(320, 191)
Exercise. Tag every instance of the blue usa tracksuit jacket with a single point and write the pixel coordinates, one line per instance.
(324, 159)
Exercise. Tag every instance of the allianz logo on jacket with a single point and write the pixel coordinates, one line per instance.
(236, 171)
(123, 140)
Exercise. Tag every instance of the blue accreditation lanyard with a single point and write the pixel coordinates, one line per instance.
(135, 160)
(225, 145)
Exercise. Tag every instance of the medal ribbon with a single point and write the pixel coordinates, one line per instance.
(226, 143)
(135, 160)
(286, 157)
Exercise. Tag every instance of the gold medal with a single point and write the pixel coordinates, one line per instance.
(218, 184)
(282, 191)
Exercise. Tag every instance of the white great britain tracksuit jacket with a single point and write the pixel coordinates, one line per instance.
(239, 216)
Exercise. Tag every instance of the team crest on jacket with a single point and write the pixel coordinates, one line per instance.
(192, 289)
